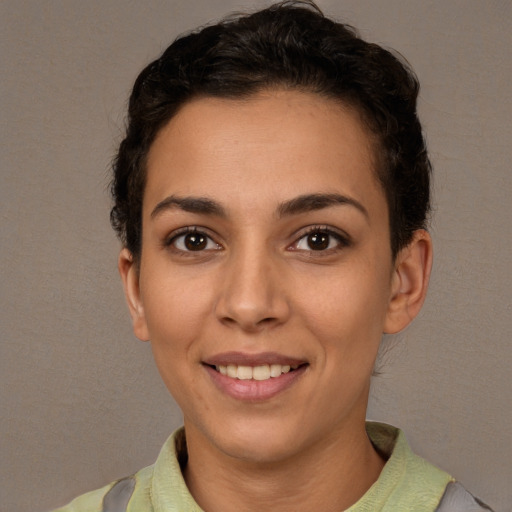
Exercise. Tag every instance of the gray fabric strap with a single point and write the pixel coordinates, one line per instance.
(457, 499)
(116, 500)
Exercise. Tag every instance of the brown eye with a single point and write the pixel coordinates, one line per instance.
(318, 241)
(195, 241)
(192, 241)
(321, 240)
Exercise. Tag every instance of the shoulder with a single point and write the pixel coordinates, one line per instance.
(409, 482)
(160, 486)
(116, 495)
(457, 499)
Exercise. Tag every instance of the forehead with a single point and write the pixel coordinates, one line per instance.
(277, 143)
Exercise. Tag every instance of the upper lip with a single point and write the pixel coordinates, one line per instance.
(244, 359)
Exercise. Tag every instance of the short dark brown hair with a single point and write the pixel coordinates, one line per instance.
(288, 45)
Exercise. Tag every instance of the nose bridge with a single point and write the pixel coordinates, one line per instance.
(250, 293)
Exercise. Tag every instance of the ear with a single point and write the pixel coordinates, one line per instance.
(409, 284)
(130, 276)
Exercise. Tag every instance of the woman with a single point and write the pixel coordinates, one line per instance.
(271, 195)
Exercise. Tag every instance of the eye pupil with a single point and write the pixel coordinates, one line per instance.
(318, 241)
(195, 241)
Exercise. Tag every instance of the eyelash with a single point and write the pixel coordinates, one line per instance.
(342, 241)
(170, 242)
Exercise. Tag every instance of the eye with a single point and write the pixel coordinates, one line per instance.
(320, 239)
(192, 240)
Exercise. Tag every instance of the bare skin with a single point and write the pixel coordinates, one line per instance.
(299, 483)
(266, 245)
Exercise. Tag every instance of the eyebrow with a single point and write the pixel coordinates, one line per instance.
(311, 202)
(201, 205)
(301, 204)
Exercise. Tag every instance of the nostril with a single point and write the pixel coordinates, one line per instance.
(249, 323)
(267, 320)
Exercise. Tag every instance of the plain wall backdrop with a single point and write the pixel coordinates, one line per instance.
(81, 402)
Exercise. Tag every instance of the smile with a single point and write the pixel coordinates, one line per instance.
(254, 377)
(260, 372)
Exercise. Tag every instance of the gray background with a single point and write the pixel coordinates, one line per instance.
(81, 403)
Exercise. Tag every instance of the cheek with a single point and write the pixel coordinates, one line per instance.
(346, 312)
(175, 315)
(175, 306)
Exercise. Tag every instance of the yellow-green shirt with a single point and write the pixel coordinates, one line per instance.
(407, 482)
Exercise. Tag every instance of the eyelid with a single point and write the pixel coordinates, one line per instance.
(341, 236)
(169, 241)
(343, 239)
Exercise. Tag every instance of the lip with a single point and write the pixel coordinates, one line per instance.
(254, 390)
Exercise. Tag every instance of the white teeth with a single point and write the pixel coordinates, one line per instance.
(262, 372)
(244, 373)
(275, 370)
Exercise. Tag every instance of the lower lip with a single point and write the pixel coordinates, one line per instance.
(254, 390)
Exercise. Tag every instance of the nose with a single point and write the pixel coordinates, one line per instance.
(252, 296)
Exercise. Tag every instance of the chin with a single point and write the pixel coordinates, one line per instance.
(260, 451)
(260, 442)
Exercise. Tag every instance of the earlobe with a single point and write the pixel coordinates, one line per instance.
(409, 285)
(130, 276)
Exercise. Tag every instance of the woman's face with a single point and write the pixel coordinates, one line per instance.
(266, 274)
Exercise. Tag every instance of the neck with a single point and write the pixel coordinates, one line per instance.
(331, 476)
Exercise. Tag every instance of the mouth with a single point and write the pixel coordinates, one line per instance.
(254, 377)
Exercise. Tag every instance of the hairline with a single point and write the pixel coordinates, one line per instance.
(376, 147)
